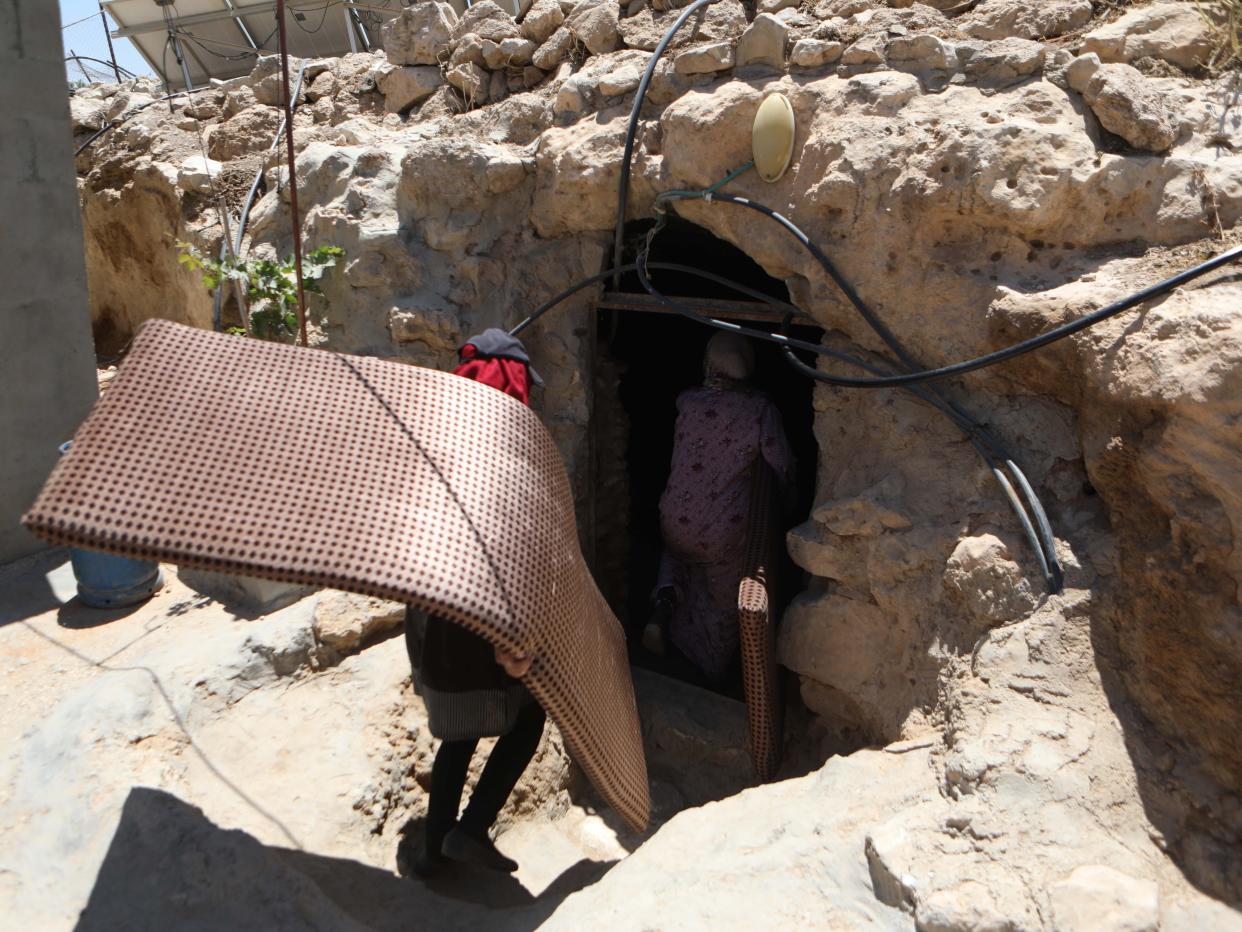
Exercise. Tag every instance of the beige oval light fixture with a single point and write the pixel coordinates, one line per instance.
(772, 137)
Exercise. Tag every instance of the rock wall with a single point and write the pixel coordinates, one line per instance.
(979, 173)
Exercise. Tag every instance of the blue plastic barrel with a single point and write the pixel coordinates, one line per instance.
(108, 581)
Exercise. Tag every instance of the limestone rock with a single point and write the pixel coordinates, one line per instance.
(775, 6)
(249, 132)
(266, 81)
(404, 86)
(1126, 103)
(721, 21)
(420, 35)
(794, 18)
(782, 825)
(885, 92)
(442, 103)
(517, 52)
(542, 20)
(1099, 897)
(325, 85)
(553, 51)
(624, 75)
(1080, 71)
(345, 621)
(197, 174)
(594, 24)
(827, 9)
(486, 20)
(468, 49)
(705, 59)
(1002, 19)
(999, 64)
(471, 80)
(922, 51)
(1174, 32)
(532, 76)
(87, 113)
(763, 43)
(574, 97)
(866, 52)
(814, 53)
(983, 575)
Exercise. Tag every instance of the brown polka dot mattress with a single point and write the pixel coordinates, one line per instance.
(255, 458)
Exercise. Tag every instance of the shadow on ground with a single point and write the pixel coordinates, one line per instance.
(25, 589)
(170, 867)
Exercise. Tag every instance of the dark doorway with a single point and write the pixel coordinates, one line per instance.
(645, 360)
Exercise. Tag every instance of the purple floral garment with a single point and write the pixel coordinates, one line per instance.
(718, 436)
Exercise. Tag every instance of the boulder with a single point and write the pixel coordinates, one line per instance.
(763, 43)
(472, 81)
(982, 574)
(197, 174)
(1002, 19)
(705, 59)
(251, 131)
(510, 53)
(554, 50)
(574, 96)
(487, 20)
(468, 49)
(542, 20)
(403, 86)
(922, 51)
(88, 114)
(594, 24)
(625, 76)
(866, 52)
(814, 53)
(775, 6)
(420, 35)
(345, 621)
(1095, 896)
(722, 20)
(1001, 63)
(1177, 33)
(1133, 107)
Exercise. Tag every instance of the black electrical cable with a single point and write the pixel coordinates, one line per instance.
(979, 362)
(631, 131)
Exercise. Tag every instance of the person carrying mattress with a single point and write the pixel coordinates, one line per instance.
(471, 689)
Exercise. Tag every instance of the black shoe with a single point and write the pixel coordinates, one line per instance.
(427, 864)
(477, 851)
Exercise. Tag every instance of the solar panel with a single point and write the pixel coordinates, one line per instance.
(222, 38)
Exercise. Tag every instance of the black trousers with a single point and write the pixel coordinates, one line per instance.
(500, 775)
(504, 767)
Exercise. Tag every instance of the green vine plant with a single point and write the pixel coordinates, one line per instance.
(271, 286)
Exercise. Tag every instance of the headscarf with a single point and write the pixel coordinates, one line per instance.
(728, 356)
(495, 358)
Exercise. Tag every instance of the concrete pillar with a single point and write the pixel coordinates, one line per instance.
(47, 365)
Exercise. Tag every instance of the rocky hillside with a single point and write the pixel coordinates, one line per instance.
(980, 171)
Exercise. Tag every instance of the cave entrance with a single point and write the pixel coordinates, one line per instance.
(646, 356)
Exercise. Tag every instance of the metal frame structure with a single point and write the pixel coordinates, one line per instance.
(221, 38)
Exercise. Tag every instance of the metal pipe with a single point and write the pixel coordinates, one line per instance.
(293, 178)
(111, 51)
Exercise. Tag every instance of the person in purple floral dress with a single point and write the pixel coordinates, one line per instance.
(723, 429)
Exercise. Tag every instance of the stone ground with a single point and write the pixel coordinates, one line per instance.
(186, 763)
